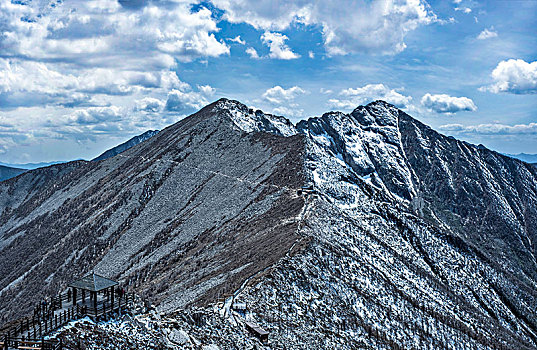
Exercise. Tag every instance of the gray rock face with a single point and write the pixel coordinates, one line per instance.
(410, 239)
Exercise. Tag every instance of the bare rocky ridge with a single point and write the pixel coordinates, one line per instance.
(410, 240)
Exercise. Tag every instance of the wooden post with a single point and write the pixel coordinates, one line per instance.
(95, 303)
(60, 300)
(112, 296)
(74, 296)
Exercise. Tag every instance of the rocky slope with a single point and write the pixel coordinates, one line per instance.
(409, 239)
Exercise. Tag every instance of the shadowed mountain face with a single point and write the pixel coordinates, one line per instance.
(411, 239)
(8, 172)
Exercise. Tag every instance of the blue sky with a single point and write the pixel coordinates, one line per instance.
(78, 77)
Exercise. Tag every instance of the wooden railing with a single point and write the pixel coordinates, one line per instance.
(40, 325)
(7, 342)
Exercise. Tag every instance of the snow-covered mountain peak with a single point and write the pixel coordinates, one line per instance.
(250, 120)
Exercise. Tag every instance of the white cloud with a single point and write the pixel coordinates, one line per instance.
(72, 52)
(311, 54)
(184, 101)
(20, 80)
(277, 46)
(100, 33)
(237, 40)
(487, 34)
(463, 9)
(279, 95)
(149, 104)
(96, 115)
(491, 129)
(354, 97)
(443, 103)
(288, 112)
(514, 76)
(372, 26)
(253, 53)
(207, 90)
(75, 71)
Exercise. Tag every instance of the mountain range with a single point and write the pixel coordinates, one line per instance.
(359, 230)
(529, 158)
(7, 171)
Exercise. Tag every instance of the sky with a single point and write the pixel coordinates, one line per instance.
(79, 77)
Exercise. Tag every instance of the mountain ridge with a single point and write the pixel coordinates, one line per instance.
(403, 229)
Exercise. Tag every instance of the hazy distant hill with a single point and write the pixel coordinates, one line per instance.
(528, 158)
(8, 172)
(30, 166)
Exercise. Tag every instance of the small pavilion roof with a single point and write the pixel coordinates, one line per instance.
(93, 283)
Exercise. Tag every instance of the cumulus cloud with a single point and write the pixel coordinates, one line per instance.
(46, 83)
(207, 90)
(252, 53)
(279, 95)
(149, 104)
(491, 129)
(184, 101)
(283, 100)
(101, 32)
(288, 112)
(277, 46)
(443, 103)
(373, 26)
(82, 49)
(463, 9)
(237, 40)
(352, 97)
(514, 76)
(487, 34)
(74, 70)
(95, 115)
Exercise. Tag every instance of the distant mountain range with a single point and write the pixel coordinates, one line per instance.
(7, 171)
(30, 166)
(528, 158)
